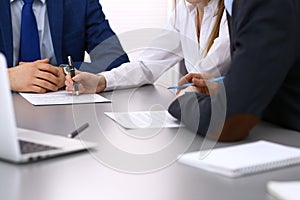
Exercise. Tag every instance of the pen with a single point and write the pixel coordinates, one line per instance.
(217, 80)
(181, 86)
(72, 71)
(79, 130)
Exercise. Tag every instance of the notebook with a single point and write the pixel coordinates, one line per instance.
(24, 145)
(244, 159)
(284, 190)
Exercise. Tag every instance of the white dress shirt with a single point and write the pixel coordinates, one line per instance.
(179, 41)
(40, 11)
(228, 6)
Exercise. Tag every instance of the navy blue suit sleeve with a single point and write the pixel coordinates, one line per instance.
(263, 52)
(101, 42)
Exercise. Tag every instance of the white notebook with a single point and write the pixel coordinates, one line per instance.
(239, 160)
(284, 190)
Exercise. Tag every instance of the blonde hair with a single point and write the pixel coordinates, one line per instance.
(215, 32)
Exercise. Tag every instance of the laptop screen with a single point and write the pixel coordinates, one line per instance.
(9, 146)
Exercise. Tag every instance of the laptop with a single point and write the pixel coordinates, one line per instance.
(23, 145)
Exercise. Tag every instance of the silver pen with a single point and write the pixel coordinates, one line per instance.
(72, 71)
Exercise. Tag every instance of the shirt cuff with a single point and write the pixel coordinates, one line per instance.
(110, 80)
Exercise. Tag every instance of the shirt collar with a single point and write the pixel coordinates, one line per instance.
(228, 6)
(212, 5)
(42, 1)
(190, 6)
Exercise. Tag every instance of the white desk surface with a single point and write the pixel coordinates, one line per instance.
(85, 176)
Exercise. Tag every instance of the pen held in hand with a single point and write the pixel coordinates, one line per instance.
(72, 71)
(181, 86)
(217, 80)
(78, 131)
(76, 88)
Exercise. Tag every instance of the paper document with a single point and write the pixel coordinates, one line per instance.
(62, 97)
(244, 159)
(147, 119)
(284, 190)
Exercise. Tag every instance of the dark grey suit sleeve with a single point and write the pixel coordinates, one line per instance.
(262, 55)
(194, 110)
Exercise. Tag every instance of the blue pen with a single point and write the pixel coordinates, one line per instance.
(217, 80)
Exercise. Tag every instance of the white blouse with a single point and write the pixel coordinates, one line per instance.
(179, 41)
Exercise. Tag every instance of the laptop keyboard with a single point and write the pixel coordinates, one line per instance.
(30, 147)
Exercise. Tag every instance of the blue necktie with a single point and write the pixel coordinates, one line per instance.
(29, 42)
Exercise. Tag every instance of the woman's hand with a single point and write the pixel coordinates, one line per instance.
(87, 82)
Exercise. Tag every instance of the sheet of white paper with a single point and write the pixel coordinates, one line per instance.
(144, 119)
(284, 190)
(62, 97)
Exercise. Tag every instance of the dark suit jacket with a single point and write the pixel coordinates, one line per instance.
(76, 26)
(264, 77)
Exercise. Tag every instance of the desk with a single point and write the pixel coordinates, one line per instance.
(84, 176)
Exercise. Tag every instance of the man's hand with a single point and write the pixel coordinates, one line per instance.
(201, 84)
(38, 76)
(87, 82)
